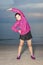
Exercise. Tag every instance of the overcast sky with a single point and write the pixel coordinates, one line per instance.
(33, 9)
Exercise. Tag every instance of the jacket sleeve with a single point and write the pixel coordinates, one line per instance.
(18, 11)
(14, 27)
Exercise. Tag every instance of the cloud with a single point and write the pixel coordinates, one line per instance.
(6, 4)
(36, 14)
(32, 5)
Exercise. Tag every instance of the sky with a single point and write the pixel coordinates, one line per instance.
(32, 9)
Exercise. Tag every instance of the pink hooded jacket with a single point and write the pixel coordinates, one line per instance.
(21, 24)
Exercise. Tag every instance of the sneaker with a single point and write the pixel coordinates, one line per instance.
(18, 57)
(33, 57)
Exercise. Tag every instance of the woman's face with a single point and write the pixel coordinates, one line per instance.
(18, 17)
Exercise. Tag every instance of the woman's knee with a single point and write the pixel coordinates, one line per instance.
(29, 42)
(21, 44)
(30, 45)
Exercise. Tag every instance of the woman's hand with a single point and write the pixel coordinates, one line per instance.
(9, 9)
(19, 31)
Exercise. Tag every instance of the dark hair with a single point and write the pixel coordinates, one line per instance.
(17, 14)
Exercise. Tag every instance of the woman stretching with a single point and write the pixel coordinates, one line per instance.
(23, 28)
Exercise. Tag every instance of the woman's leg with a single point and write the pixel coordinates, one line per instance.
(20, 47)
(29, 42)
